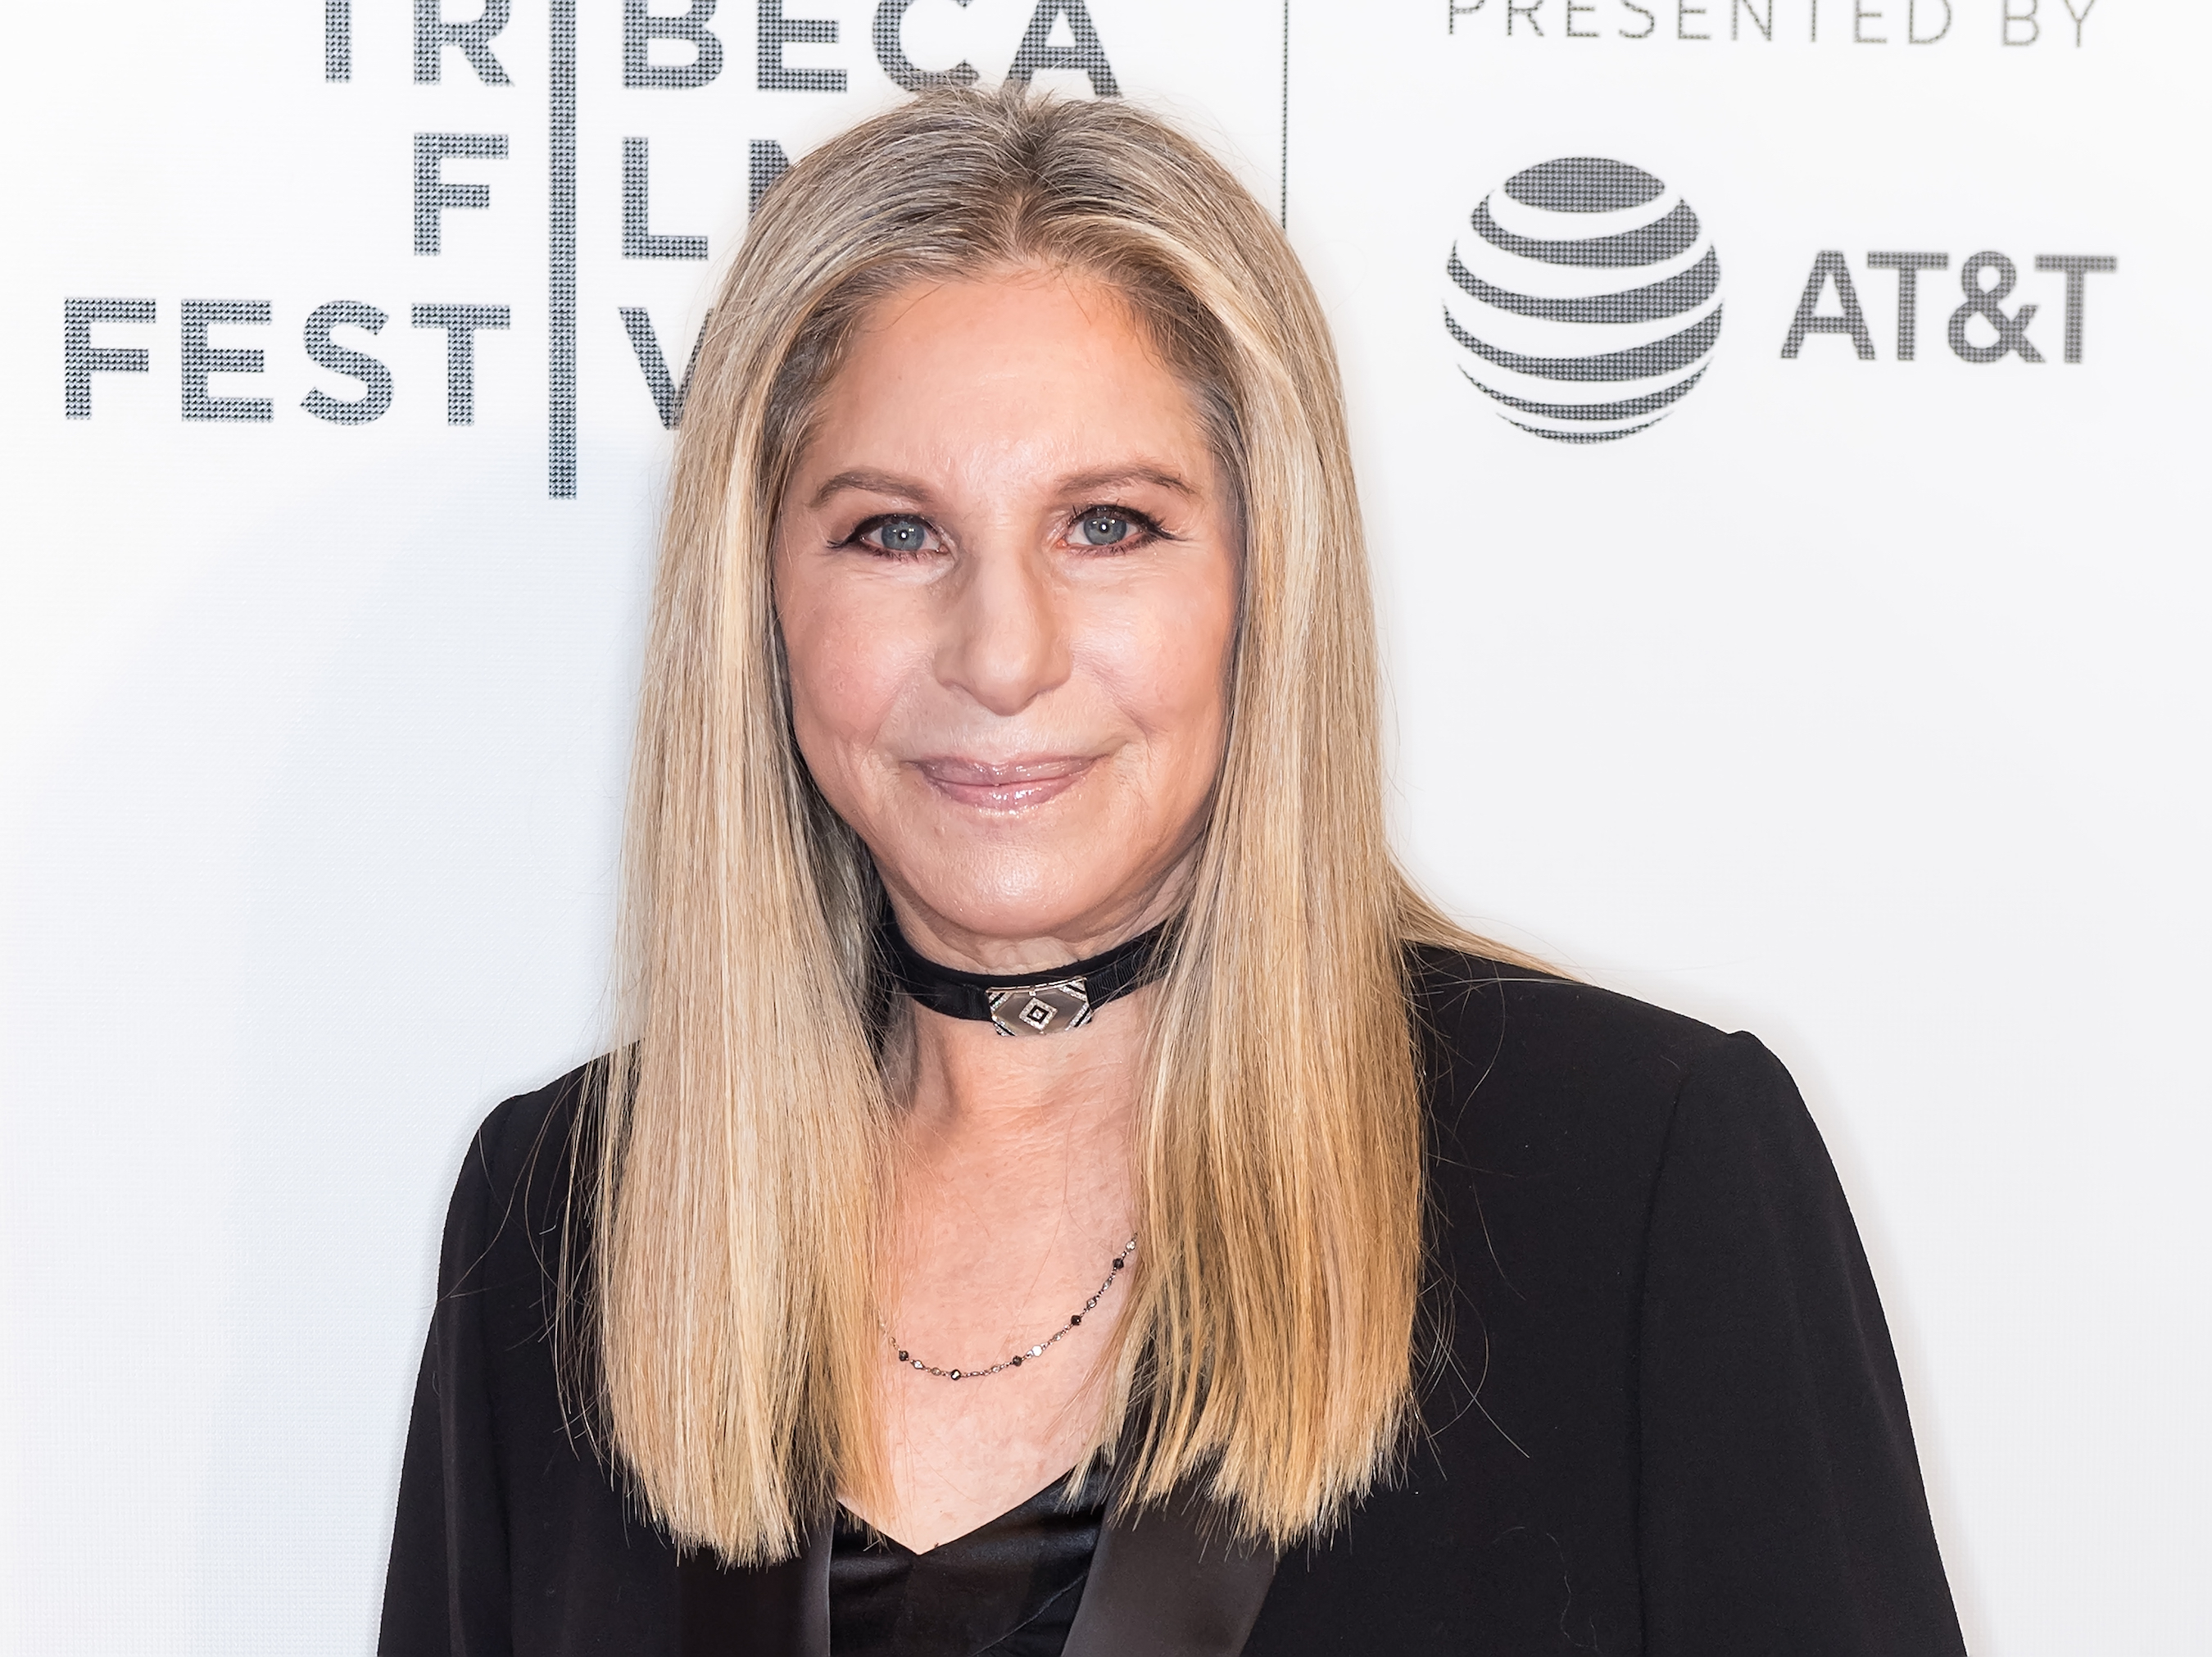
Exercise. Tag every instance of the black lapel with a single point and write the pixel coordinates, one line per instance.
(774, 1610)
(1168, 1582)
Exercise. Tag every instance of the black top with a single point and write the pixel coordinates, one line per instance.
(1008, 1588)
(1671, 1422)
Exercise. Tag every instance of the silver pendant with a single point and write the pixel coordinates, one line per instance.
(1039, 1010)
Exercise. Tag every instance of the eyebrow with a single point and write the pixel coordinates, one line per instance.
(1084, 483)
(1078, 482)
(871, 483)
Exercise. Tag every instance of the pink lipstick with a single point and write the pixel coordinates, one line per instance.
(1012, 785)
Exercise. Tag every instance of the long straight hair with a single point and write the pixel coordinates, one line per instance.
(738, 1168)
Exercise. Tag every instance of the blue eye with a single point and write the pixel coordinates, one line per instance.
(902, 534)
(1103, 529)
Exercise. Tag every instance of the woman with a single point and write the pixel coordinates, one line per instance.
(1066, 1191)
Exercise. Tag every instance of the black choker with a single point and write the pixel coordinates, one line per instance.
(1027, 1003)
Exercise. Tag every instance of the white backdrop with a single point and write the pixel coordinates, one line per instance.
(1860, 702)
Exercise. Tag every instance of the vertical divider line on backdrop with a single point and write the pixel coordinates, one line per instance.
(1283, 151)
(560, 258)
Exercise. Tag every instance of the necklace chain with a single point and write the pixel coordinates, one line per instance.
(1024, 1357)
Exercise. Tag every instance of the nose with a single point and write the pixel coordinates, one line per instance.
(1003, 639)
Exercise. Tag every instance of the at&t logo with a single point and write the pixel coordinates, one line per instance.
(1584, 299)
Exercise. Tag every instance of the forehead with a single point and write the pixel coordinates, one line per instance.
(1026, 359)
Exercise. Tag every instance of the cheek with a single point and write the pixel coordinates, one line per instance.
(849, 661)
(1170, 668)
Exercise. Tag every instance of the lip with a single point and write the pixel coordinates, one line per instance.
(1004, 786)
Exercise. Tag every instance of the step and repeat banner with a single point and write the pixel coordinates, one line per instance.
(1780, 427)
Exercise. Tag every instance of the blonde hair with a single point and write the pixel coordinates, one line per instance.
(738, 1173)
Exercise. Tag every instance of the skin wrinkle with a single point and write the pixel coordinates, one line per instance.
(919, 492)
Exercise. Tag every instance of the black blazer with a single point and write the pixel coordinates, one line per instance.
(1670, 1420)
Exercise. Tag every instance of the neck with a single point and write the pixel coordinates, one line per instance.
(965, 1079)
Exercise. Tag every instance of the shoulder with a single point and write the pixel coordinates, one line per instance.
(518, 1186)
(1473, 1014)
(1525, 1060)
(524, 1136)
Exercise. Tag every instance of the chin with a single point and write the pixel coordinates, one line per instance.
(1013, 898)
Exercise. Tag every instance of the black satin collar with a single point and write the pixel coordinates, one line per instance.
(1041, 1002)
(1007, 1589)
(1166, 1582)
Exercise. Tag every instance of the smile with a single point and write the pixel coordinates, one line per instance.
(1013, 786)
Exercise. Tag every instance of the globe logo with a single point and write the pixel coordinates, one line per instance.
(1584, 299)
